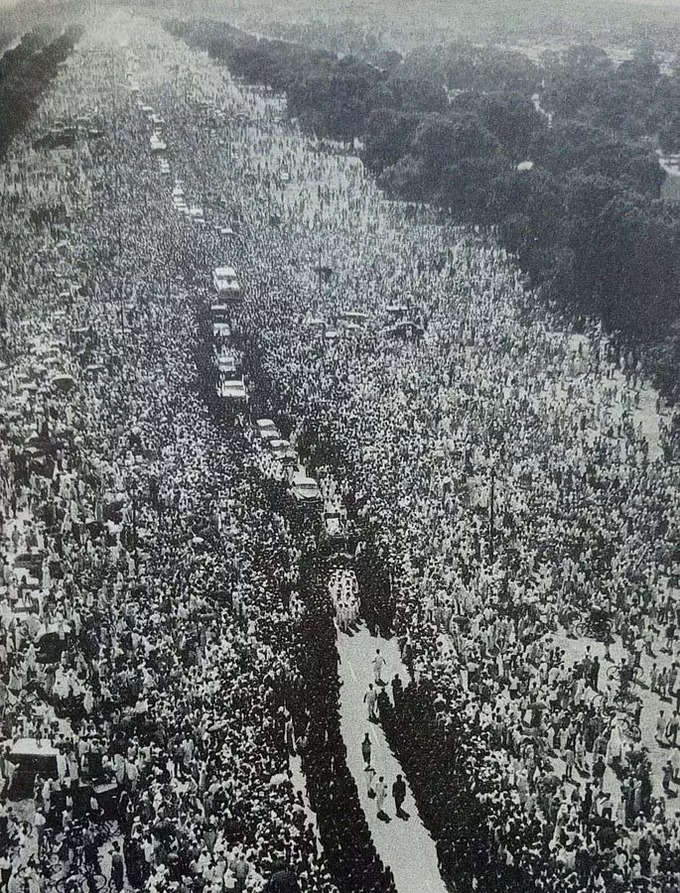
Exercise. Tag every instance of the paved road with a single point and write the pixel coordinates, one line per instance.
(404, 845)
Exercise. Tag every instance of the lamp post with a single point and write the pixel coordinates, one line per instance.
(134, 526)
(492, 502)
(133, 491)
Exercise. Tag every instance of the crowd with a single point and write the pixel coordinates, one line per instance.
(151, 628)
(500, 470)
(157, 625)
(344, 589)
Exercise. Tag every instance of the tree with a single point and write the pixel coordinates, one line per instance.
(387, 137)
(466, 188)
(441, 140)
(510, 117)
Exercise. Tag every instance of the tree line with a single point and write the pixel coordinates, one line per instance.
(25, 72)
(558, 158)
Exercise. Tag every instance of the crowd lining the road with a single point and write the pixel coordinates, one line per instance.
(151, 614)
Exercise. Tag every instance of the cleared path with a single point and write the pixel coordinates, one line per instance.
(404, 845)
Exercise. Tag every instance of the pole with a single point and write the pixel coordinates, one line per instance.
(134, 526)
(491, 512)
(121, 293)
(319, 269)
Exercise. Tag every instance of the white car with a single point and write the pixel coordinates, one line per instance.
(226, 365)
(267, 429)
(157, 144)
(220, 312)
(232, 390)
(226, 282)
(283, 451)
(221, 330)
(353, 316)
(306, 490)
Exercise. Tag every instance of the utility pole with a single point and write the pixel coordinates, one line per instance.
(134, 526)
(492, 503)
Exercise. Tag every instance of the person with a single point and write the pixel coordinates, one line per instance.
(366, 749)
(117, 868)
(380, 795)
(599, 769)
(241, 871)
(594, 673)
(369, 777)
(283, 880)
(660, 734)
(39, 822)
(397, 689)
(399, 795)
(379, 663)
(569, 760)
(371, 701)
(5, 869)
(667, 773)
(289, 734)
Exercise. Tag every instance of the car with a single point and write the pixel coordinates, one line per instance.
(226, 281)
(220, 312)
(221, 330)
(306, 491)
(227, 365)
(227, 285)
(267, 429)
(157, 144)
(283, 451)
(233, 390)
(333, 524)
(355, 316)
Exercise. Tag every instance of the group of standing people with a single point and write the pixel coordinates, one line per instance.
(497, 463)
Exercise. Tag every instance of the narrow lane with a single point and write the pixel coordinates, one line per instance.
(403, 844)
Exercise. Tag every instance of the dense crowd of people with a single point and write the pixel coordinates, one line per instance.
(149, 613)
(497, 464)
(157, 627)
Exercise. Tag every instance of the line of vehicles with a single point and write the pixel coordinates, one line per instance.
(232, 393)
(315, 501)
(231, 389)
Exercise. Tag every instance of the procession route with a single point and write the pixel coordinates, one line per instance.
(403, 844)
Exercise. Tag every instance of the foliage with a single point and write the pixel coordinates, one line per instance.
(452, 124)
(25, 72)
